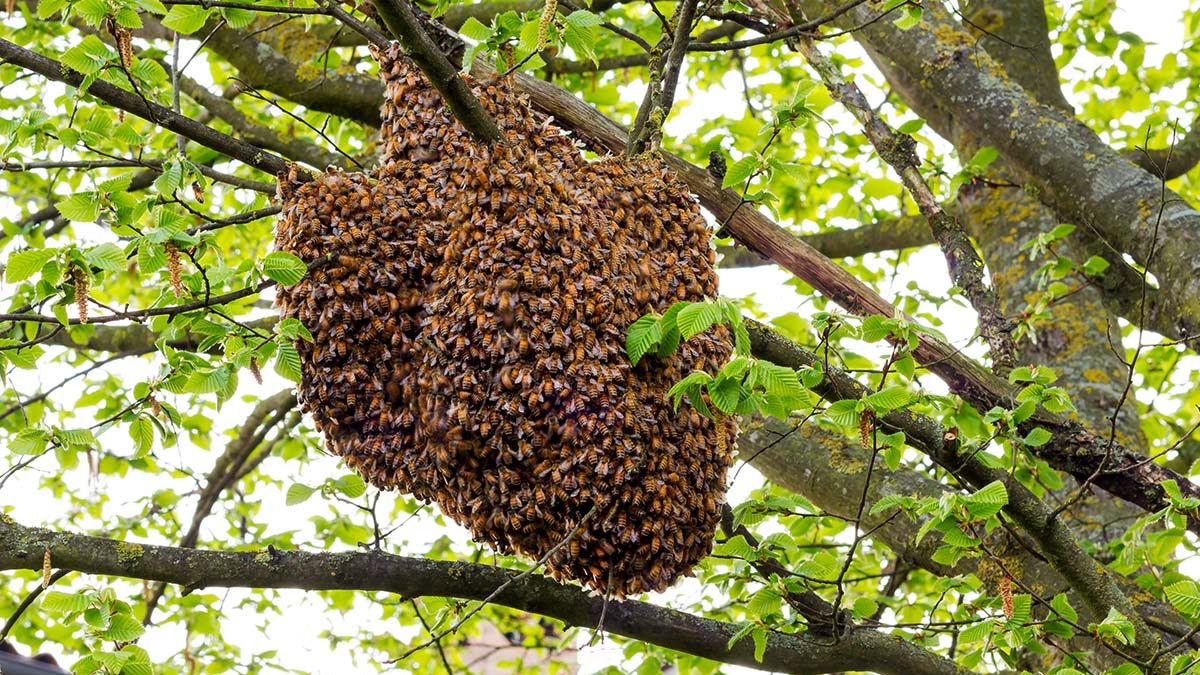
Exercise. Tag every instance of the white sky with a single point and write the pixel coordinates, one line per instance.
(296, 634)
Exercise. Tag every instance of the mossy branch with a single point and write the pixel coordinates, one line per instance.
(22, 548)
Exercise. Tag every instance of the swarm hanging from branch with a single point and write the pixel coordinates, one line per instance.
(469, 337)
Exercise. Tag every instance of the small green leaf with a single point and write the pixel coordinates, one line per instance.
(889, 399)
(642, 336)
(124, 628)
(186, 19)
(844, 413)
(283, 267)
(864, 607)
(1063, 606)
(352, 485)
(1036, 437)
(1115, 627)
(24, 264)
(298, 493)
(58, 602)
(287, 362)
(142, 433)
(740, 171)
(28, 442)
(987, 501)
(697, 318)
(106, 256)
(759, 635)
(81, 207)
(89, 56)
(725, 395)
(1185, 597)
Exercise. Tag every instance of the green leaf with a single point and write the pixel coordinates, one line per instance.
(977, 632)
(142, 433)
(759, 635)
(1094, 266)
(697, 318)
(691, 383)
(776, 380)
(91, 11)
(983, 157)
(124, 628)
(765, 602)
(58, 602)
(1036, 437)
(987, 501)
(89, 56)
(843, 413)
(864, 607)
(283, 267)
(1063, 606)
(48, 8)
(1185, 597)
(186, 19)
(298, 493)
(1022, 609)
(28, 442)
(82, 437)
(642, 336)
(171, 178)
(1115, 627)
(208, 380)
(725, 395)
(24, 264)
(472, 29)
(740, 171)
(580, 33)
(887, 400)
(81, 207)
(287, 362)
(106, 256)
(352, 485)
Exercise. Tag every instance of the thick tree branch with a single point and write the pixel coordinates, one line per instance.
(1074, 171)
(398, 16)
(893, 234)
(861, 649)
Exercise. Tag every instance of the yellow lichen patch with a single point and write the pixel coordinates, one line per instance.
(843, 462)
(1096, 375)
(127, 552)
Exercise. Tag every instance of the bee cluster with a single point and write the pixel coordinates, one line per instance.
(469, 337)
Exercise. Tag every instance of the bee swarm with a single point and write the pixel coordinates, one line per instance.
(469, 337)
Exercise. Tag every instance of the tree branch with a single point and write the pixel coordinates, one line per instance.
(1073, 170)
(398, 16)
(908, 231)
(899, 152)
(861, 649)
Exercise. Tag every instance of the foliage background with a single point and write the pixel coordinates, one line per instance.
(134, 442)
